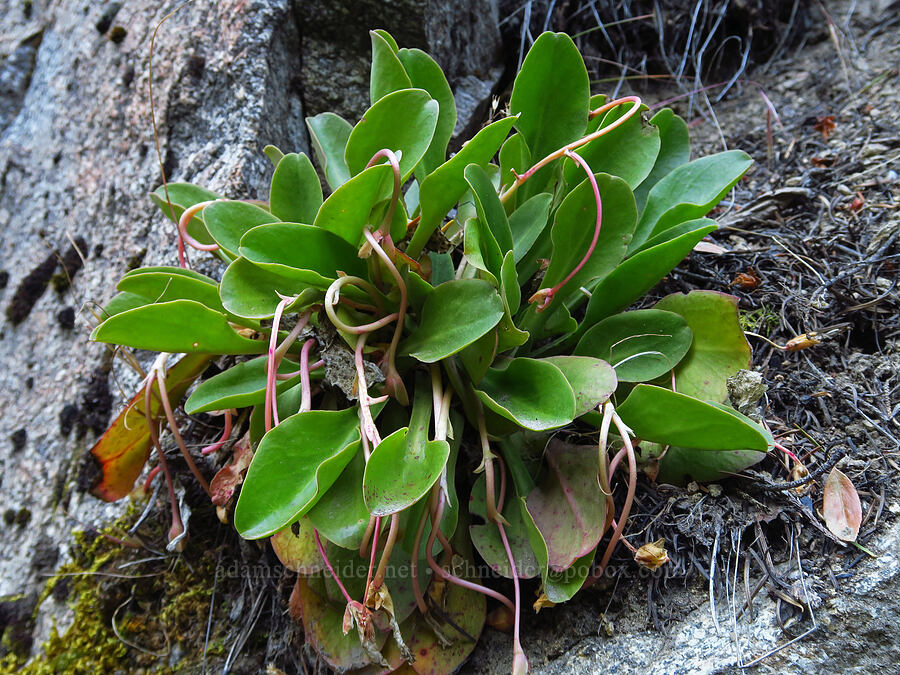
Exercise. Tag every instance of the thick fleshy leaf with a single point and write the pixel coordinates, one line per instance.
(122, 302)
(478, 356)
(664, 416)
(329, 133)
(487, 204)
(124, 448)
(303, 252)
(638, 274)
(573, 230)
(227, 222)
(528, 221)
(425, 73)
(455, 315)
(719, 348)
(628, 151)
(592, 380)
(689, 192)
(274, 154)
(240, 386)
(514, 157)
(399, 473)
(341, 515)
(295, 546)
(567, 504)
(446, 184)
(346, 211)
(534, 394)
(841, 507)
(294, 465)
(250, 291)
(177, 326)
(164, 284)
(509, 284)
(322, 628)
(641, 345)
(182, 196)
(487, 541)
(674, 150)
(481, 250)
(404, 120)
(296, 193)
(387, 73)
(551, 94)
(681, 465)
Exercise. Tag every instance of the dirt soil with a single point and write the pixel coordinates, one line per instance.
(810, 243)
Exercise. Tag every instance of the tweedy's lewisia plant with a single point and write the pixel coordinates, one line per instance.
(426, 353)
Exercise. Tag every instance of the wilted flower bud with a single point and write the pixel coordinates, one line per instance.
(652, 555)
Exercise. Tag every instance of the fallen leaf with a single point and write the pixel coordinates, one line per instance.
(801, 342)
(841, 507)
(825, 125)
(225, 482)
(652, 555)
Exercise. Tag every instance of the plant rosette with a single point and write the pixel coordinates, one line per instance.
(427, 302)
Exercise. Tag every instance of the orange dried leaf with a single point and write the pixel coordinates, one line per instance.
(747, 280)
(841, 508)
(825, 125)
(801, 342)
(124, 448)
(225, 482)
(652, 555)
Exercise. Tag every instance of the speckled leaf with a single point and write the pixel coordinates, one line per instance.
(719, 348)
(227, 222)
(329, 133)
(641, 345)
(296, 193)
(841, 507)
(455, 314)
(664, 416)
(534, 394)
(295, 546)
(294, 465)
(124, 448)
(404, 120)
(177, 326)
(567, 505)
(593, 380)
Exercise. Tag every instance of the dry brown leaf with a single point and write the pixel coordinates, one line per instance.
(652, 555)
(841, 508)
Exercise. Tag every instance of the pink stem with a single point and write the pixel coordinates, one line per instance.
(177, 527)
(183, 235)
(385, 228)
(305, 392)
(520, 663)
(330, 568)
(545, 296)
(226, 433)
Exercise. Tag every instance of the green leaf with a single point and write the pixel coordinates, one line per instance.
(341, 515)
(303, 252)
(346, 211)
(592, 380)
(628, 151)
(183, 196)
(294, 465)
(177, 326)
(425, 73)
(478, 356)
(551, 94)
(227, 221)
(664, 416)
(329, 133)
(514, 157)
(455, 315)
(574, 227)
(689, 192)
(446, 184)
(719, 348)
(387, 74)
(441, 268)
(487, 204)
(481, 249)
(638, 274)
(240, 386)
(681, 465)
(509, 284)
(641, 345)
(296, 193)
(274, 154)
(122, 302)
(674, 150)
(487, 541)
(253, 292)
(533, 394)
(404, 120)
(167, 284)
(567, 505)
(528, 221)
(399, 473)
